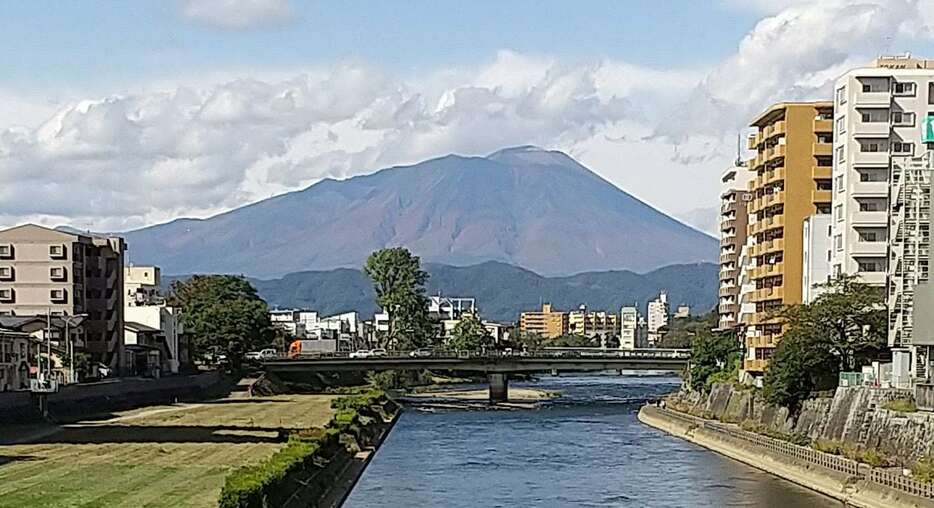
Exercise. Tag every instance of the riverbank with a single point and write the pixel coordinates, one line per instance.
(841, 480)
(519, 398)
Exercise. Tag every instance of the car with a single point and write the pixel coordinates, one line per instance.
(252, 355)
(378, 352)
(422, 352)
(361, 353)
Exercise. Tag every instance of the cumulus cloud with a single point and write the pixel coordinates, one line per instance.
(238, 14)
(120, 162)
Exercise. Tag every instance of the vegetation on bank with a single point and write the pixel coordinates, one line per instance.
(305, 456)
(901, 405)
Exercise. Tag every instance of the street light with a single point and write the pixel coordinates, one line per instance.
(71, 345)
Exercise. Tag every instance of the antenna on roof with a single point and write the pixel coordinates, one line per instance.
(739, 149)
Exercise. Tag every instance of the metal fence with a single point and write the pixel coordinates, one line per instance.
(890, 479)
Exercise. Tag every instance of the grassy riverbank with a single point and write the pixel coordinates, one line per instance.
(163, 456)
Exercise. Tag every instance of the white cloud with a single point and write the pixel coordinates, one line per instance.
(128, 160)
(238, 14)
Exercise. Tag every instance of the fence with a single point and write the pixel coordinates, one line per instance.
(844, 465)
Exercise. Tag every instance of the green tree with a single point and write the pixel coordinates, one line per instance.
(469, 335)
(849, 318)
(799, 366)
(712, 354)
(223, 312)
(399, 283)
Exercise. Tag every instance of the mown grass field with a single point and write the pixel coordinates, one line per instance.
(169, 456)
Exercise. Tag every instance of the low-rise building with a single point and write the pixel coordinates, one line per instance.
(591, 324)
(18, 352)
(547, 323)
(153, 329)
(296, 323)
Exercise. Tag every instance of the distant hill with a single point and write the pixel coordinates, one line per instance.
(503, 290)
(524, 206)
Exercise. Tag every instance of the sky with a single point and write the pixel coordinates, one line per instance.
(118, 115)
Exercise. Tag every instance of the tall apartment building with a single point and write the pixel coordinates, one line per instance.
(547, 323)
(909, 244)
(792, 165)
(734, 197)
(657, 312)
(591, 323)
(145, 305)
(629, 336)
(816, 256)
(879, 113)
(46, 271)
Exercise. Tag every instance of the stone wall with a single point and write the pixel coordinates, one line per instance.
(78, 401)
(853, 415)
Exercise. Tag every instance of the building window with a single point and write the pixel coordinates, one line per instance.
(6, 273)
(838, 212)
(870, 265)
(874, 115)
(841, 125)
(871, 146)
(6, 295)
(871, 235)
(873, 175)
(838, 242)
(903, 119)
(841, 95)
(57, 251)
(903, 147)
(906, 88)
(6, 251)
(57, 295)
(839, 183)
(57, 273)
(872, 205)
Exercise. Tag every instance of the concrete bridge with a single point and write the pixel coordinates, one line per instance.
(496, 366)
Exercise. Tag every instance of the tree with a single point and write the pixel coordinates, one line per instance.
(469, 335)
(712, 354)
(843, 328)
(223, 312)
(849, 318)
(399, 283)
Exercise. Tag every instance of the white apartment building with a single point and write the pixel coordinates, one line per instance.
(147, 316)
(657, 313)
(879, 113)
(734, 197)
(298, 323)
(815, 267)
(629, 328)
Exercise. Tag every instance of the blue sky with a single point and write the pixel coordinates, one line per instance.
(119, 114)
(44, 43)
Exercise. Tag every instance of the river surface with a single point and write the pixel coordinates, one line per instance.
(585, 449)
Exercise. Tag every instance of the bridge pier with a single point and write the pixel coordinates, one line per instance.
(499, 387)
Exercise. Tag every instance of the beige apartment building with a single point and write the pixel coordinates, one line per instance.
(734, 198)
(793, 162)
(547, 323)
(45, 271)
(591, 323)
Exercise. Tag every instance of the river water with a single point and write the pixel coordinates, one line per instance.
(585, 449)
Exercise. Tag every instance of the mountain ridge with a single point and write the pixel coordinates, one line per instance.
(523, 206)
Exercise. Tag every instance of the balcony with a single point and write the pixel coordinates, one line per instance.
(728, 257)
(776, 129)
(873, 99)
(872, 130)
(870, 218)
(820, 196)
(775, 221)
(762, 341)
(775, 152)
(727, 224)
(822, 149)
(767, 294)
(773, 198)
(728, 291)
(755, 365)
(726, 241)
(821, 172)
(872, 278)
(822, 125)
(870, 249)
(870, 158)
(773, 175)
(752, 141)
(875, 189)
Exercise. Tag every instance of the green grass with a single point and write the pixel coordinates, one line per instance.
(123, 463)
(901, 405)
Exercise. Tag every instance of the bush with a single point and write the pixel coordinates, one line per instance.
(832, 447)
(901, 405)
(251, 486)
(923, 470)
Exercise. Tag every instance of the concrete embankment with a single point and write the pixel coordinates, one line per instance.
(852, 489)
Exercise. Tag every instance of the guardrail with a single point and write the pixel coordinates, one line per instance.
(676, 354)
(886, 478)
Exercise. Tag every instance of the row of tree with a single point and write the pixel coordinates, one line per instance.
(843, 329)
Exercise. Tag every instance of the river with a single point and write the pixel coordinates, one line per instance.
(585, 449)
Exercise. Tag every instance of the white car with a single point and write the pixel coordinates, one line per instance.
(362, 353)
(378, 352)
(266, 354)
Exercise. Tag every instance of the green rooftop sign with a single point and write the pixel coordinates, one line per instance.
(928, 135)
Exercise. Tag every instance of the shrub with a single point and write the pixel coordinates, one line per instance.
(923, 470)
(829, 446)
(873, 457)
(901, 405)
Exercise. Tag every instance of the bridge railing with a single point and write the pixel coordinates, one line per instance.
(547, 353)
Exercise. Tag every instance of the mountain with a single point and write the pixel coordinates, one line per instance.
(502, 291)
(524, 206)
